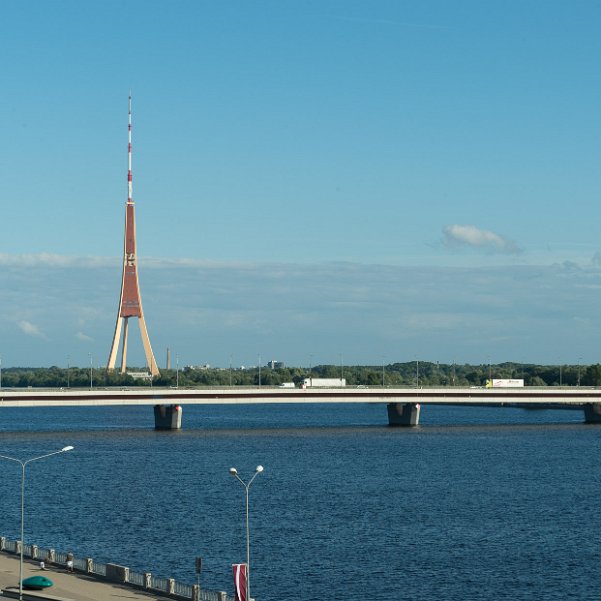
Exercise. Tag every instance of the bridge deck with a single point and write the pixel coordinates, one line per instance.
(520, 397)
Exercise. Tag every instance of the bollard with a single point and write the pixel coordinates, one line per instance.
(195, 592)
(171, 590)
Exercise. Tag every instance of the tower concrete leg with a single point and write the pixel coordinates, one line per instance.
(167, 417)
(124, 350)
(592, 413)
(403, 414)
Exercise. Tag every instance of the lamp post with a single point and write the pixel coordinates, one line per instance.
(560, 375)
(259, 371)
(23, 464)
(234, 472)
(90, 370)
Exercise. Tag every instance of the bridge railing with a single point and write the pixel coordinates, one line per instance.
(168, 587)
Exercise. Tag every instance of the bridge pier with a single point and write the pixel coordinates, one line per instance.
(167, 417)
(592, 413)
(403, 414)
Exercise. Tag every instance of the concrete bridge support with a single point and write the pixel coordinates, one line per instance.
(592, 413)
(167, 417)
(403, 414)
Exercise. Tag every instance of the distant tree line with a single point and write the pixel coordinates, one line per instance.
(412, 373)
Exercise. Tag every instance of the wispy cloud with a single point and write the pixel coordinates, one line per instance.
(49, 260)
(30, 329)
(53, 260)
(473, 237)
(294, 311)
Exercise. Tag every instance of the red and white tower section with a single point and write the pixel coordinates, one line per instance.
(130, 301)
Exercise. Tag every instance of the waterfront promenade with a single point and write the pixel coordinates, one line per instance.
(75, 586)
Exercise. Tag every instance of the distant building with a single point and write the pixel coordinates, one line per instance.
(273, 364)
(205, 366)
(140, 375)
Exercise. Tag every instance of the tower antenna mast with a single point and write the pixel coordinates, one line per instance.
(129, 175)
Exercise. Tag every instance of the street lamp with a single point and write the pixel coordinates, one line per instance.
(90, 354)
(560, 375)
(23, 464)
(234, 472)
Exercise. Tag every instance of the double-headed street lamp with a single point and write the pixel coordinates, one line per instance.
(23, 464)
(234, 472)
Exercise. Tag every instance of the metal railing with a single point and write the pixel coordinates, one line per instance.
(145, 581)
(182, 590)
(159, 584)
(211, 596)
(10, 546)
(136, 579)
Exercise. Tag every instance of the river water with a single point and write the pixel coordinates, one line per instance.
(474, 504)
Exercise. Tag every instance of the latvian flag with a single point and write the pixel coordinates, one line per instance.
(240, 580)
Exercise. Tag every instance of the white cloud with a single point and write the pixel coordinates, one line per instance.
(473, 237)
(294, 311)
(49, 260)
(52, 260)
(30, 329)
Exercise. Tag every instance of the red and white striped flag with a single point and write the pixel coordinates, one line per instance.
(240, 580)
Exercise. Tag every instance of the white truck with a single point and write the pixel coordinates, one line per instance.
(286, 385)
(505, 383)
(323, 382)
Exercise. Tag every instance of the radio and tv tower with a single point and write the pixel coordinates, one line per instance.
(130, 301)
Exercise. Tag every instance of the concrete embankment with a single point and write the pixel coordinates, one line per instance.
(67, 586)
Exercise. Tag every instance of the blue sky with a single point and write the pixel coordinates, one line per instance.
(314, 181)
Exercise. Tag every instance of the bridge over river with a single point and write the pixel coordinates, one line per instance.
(403, 404)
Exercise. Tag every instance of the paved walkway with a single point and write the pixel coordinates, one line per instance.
(73, 586)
